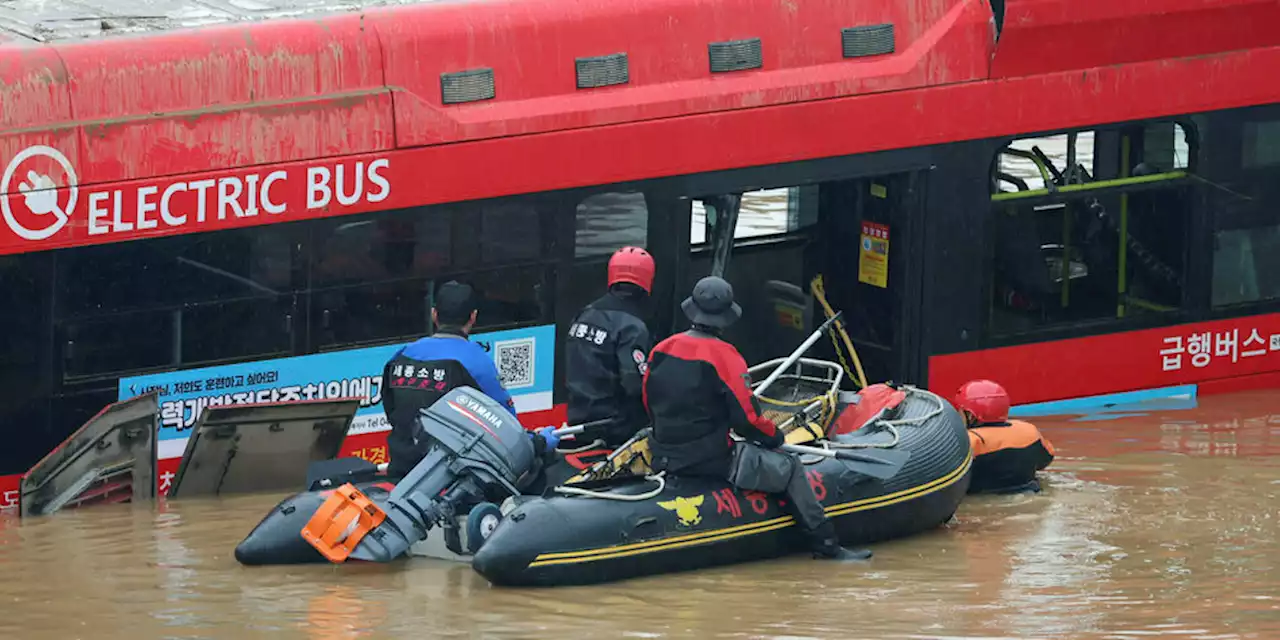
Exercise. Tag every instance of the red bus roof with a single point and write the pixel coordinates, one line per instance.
(127, 113)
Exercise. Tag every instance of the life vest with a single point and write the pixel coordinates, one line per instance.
(1007, 456)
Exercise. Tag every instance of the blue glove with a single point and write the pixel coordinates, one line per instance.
(549, 435)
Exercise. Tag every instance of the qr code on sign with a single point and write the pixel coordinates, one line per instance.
(515, 362)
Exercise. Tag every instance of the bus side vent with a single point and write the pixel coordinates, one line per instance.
(735, 55)
(874, 40)
(603, 71)
(473, 85)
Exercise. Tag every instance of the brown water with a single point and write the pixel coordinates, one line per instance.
(1157, 525)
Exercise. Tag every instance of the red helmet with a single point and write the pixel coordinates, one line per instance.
(634, 265)
(985, 400)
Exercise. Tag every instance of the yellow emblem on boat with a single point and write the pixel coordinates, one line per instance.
(686, 509)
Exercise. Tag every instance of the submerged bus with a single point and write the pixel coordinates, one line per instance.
(1076, 198)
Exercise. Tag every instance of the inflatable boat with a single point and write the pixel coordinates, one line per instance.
(885, 462)
(597, 529)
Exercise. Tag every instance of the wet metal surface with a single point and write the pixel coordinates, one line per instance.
(1159, 524)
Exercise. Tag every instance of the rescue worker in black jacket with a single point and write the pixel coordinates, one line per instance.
(607, 353)
(423, 372)
(697, 389)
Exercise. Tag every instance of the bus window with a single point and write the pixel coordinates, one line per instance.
(1089, 225)
(764, 212)
(25, 292)
(509, 232)
(373, 276)
(384, 312)
(176, 301)
(1261, 145)
(511, 297)
(1023, 164)
(604, 222)
(1246, 255)
(1035, 163)
(413, 243)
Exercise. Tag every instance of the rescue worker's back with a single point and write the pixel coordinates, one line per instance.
(697, 390)
(423, 372)
(691, 437)
(1006, 457)
(431, 367)
(607, 350)
(1006, 453)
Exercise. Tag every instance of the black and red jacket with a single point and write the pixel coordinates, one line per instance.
(696, 390)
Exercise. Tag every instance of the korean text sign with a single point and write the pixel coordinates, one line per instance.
(524, 358)
(1115, 362)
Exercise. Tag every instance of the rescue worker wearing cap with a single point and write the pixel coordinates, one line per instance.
(607, 353)
(697, 390)
(1006, 453)
(423, 372)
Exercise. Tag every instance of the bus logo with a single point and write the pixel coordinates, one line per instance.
(38, 193)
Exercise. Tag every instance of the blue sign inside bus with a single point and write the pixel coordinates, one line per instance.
(524, 357)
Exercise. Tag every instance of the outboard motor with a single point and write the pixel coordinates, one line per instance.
(478, 448)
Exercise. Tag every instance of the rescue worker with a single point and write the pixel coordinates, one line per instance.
(423, 372)
(607, 353)
(697, 389)
(1007, 453)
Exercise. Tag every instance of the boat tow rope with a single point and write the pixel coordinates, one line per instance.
(657, 478)
(587, 447)
(623, 457)
(888, 425)
(859, 377)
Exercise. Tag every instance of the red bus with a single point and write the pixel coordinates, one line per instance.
(1076, 198)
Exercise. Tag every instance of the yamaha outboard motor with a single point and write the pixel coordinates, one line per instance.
(478, 448)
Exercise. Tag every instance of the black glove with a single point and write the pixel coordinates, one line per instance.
(776, 440)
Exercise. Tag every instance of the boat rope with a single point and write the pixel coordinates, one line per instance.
(892, 425)
(657, 478)
(594, 444)
(887, 425)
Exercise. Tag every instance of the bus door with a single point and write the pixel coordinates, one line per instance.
(868, 253)
(861, 235)
(754, 238)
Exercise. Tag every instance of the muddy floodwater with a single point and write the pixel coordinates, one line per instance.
(1157, 522)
